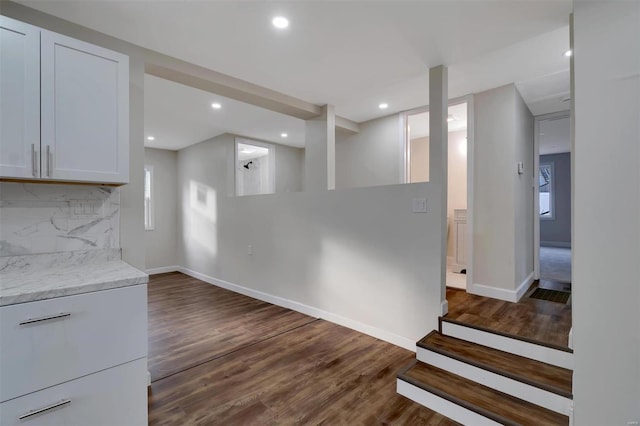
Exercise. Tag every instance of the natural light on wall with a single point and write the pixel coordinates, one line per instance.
(203, 216)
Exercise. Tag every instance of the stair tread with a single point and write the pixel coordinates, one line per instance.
(545, 376)
(488, 402)
(475, 325)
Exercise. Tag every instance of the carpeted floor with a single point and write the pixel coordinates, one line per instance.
(555, 264)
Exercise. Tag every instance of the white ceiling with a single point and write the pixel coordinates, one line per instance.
(555, 136)
(353, 55)
(179, 116)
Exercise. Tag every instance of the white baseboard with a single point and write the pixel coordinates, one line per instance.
(502, 293)
(162, 270)
(444, 308)
(389, 337)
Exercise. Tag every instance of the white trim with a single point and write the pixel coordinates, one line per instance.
(536, 186)
(443, 406)
(502, 293)
(389, 337)
(444, 307)
(162, 270)
(570, 343)
(514, 346)
(471, 151)
(521, 390)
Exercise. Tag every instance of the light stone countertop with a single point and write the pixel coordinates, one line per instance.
(46, 276)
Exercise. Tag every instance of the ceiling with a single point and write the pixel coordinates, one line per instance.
(178, 116)
(554, 136)
(354, 54)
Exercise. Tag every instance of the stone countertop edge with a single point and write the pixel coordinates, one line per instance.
(41, 280)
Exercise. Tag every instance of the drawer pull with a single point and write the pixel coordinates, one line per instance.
(47, 408)
(47, 318)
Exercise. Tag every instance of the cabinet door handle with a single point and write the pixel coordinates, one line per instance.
(49, 161)
(43, 409)
(34, 160)
(47, 318)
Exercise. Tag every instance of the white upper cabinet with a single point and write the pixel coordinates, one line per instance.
(19, 99)
(82, 92)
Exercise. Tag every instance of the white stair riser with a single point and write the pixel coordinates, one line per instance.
(518, 347)
(501, 383)
(443, 406)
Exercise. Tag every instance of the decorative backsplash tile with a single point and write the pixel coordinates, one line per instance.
(44, 218)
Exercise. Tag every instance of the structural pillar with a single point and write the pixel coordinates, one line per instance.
(438, 157)
(320, 151)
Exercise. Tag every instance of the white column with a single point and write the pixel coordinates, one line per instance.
(320, 151)
(438, 154)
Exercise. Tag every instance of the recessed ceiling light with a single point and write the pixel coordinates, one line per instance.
(383, 106)
(568, 53)
(280, 22)
(284, 135)
(216, 105)
(151, 138)
(450, 118)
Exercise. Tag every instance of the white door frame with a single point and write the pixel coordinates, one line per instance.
(536, 187)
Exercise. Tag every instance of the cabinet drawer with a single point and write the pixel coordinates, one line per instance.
(48, 342)
(116, 396)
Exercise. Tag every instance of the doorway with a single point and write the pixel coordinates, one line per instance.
(553, 198)
(417, 170)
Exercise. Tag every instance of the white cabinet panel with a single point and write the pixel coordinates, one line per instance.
(92, 332)
(85, 111)
(117, 396)
(19, 99)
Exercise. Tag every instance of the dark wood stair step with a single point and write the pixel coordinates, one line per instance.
(485, 401)
(535, 373)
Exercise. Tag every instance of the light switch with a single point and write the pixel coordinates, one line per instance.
(520, 167)
(419, 205)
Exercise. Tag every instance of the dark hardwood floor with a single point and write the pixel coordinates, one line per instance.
(539, 320)
(218, 357)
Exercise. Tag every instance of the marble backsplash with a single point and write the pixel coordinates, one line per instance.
(45, 218)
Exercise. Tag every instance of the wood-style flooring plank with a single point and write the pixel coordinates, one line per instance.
(538, 320)
(274, 366)
(191, 322)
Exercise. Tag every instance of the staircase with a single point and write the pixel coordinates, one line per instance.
(476, 376)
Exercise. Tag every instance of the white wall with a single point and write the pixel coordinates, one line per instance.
(162, 242)
(371, 157)
(358, 256)
(290, 177)
(606, 214)
(502, 227)
(523, 193)
(131, 195)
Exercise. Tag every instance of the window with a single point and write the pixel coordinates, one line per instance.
(545, 180)
(255, 167)
(148, 198)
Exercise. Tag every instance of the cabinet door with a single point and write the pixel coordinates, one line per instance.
(85, 111)
(19, 99)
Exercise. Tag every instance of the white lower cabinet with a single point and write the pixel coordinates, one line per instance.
(75, 360)
(113, 397)
(56, 340)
